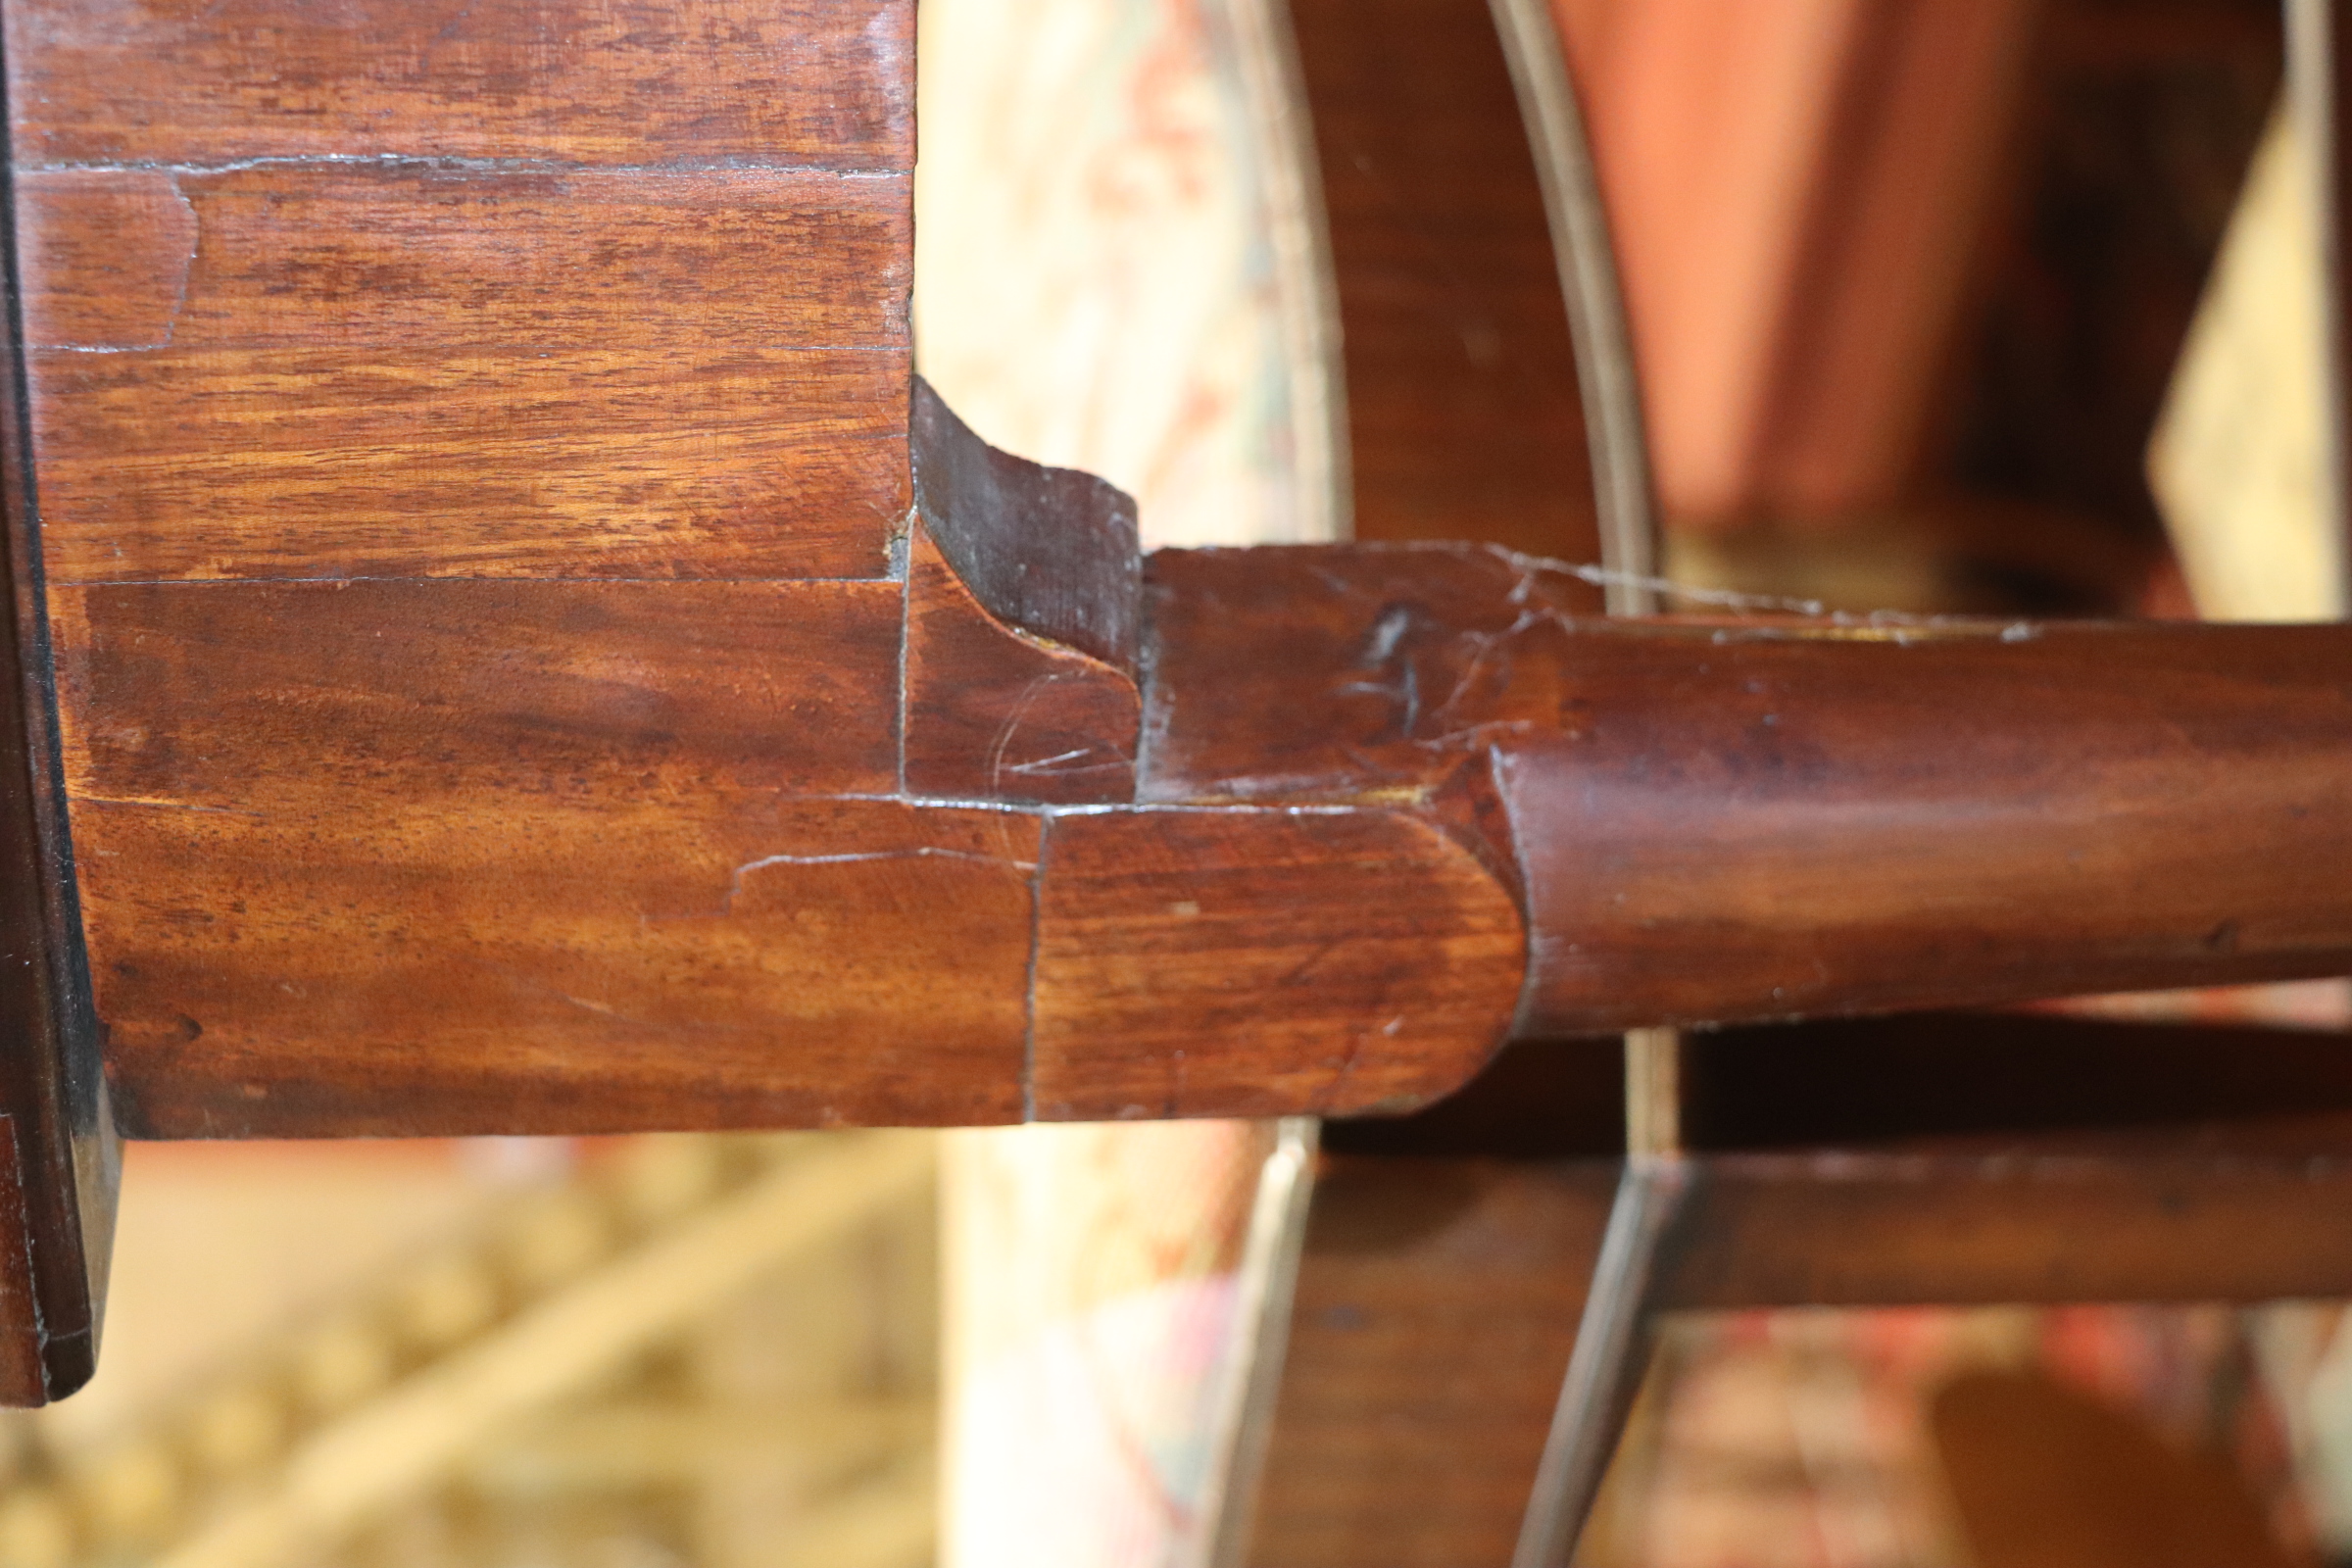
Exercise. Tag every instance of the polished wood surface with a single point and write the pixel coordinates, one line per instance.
(1861, 825)
(820, 83)
(993, 715)
(608, 302)
(1310, 882)
(1729, 821)
(1332, 907)
(273, 372)
(723, 959)
(597, 304)
(319, 694)
(618, 292)
(306, 807)
(529, 659)
(1264, 962)
(485, 855)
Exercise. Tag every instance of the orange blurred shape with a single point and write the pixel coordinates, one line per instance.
(1797, 188)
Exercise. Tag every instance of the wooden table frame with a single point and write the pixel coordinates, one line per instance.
(939, 803)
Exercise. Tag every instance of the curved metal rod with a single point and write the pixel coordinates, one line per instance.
(1605, 1371)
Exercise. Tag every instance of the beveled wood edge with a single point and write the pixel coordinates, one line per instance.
(1052, 553)
(957, 734)
(66, 1165)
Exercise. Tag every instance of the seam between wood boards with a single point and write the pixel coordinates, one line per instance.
(901, 554)
(1037, 925)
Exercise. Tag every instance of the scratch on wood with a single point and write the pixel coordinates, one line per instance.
(162, 805)
(735, 881)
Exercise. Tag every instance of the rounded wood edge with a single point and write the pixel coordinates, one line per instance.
(1265, 961)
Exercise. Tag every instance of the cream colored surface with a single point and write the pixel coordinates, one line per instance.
(417, 1432)
(1097, 282)
(1111, 275)
(2237, 461)
(1091, 1278)
(714, 1350)
(218, 1248)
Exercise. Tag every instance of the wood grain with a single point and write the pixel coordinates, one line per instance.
(1790, 823)
(24, 1378)
(1337, 672)
(495, 840)
(1023, 623)
(1263, 962)
(604, 291)
(294, 463)
(1721, 822)
(104, 257)
(386, 254)
(827, 82)
(530, 853)
(589, 952)
(301, 362)
(302, 700)
(994, 715)
(722, 959)
(1340, 956)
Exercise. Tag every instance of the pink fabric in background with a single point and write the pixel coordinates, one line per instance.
(1091, 1283)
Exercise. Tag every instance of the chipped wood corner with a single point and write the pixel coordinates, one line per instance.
(58, 1155)
(1024, 590)
(1218, 957)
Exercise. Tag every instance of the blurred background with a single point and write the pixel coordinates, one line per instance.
(2001, 306)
